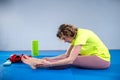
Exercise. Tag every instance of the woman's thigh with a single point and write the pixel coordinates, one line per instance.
(92, 62)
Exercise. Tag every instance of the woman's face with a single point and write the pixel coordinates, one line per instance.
(67, 39)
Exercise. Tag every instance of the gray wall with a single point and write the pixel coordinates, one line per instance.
(22, 21)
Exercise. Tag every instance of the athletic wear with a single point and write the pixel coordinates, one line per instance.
(91, 44)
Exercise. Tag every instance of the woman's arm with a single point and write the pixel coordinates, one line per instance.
(62, 56)
(56, 57)
(69, 60)
(68, 51)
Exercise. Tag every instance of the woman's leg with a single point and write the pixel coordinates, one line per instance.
(58, 67)
(92, 62)
(33, 61)
(30, 61)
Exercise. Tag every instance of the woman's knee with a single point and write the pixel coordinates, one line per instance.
(107, 65)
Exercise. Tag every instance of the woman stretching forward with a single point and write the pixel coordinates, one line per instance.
(86, 50)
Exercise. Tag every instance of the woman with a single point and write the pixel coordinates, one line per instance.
(86, 50)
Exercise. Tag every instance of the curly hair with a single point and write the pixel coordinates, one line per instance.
(67, 30)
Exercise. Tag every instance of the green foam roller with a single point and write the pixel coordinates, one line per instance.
(35, 48)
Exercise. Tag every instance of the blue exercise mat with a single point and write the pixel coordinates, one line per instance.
(20, 71)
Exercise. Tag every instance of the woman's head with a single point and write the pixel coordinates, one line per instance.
(66, 32)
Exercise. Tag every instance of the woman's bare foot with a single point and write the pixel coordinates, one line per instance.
(29, 61)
